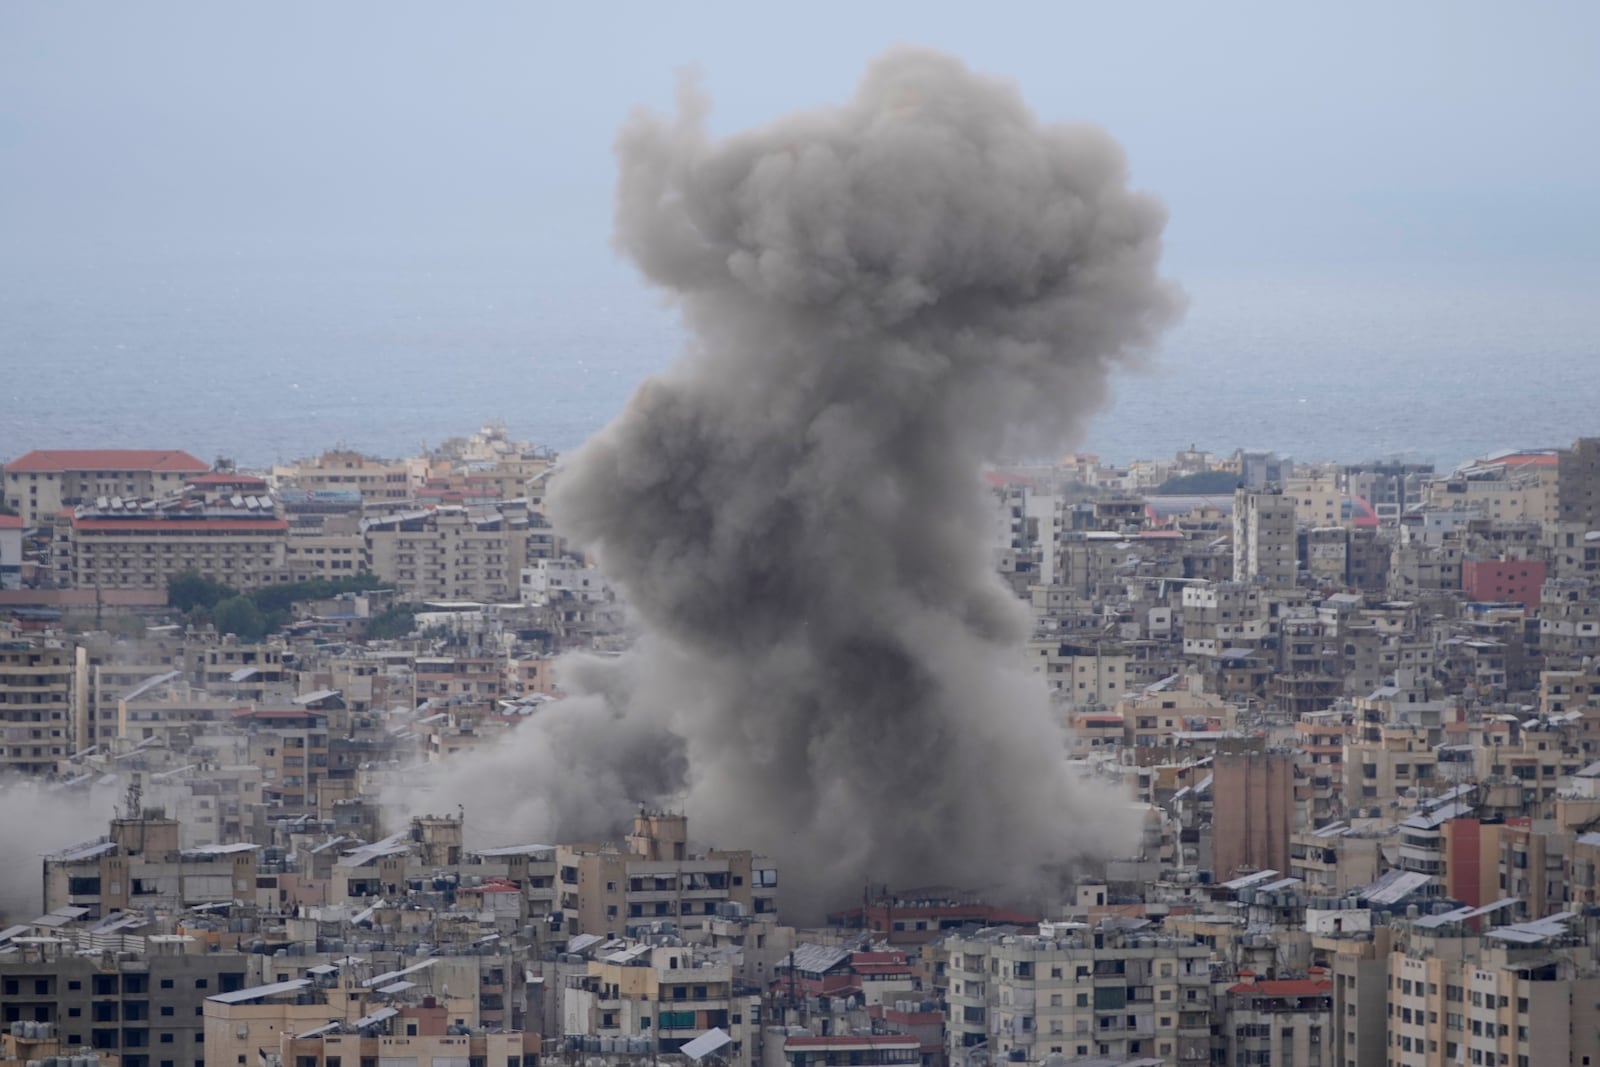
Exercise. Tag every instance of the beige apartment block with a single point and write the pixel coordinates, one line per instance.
(378, 481)
(1526, 493)
(1264, 547)
(131, 549)
(37, 690)
(1078, 992)
(604, 889)
(1222, 615)
(1521, 998)
(457, 553)
(311, 554)
(1317, 496)
(42, 483)
(665, 993)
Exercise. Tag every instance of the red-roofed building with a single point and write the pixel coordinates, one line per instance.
(41, 483)
(141, 550)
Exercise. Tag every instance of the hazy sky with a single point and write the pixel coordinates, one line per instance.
(1282, 135)
(193, 192)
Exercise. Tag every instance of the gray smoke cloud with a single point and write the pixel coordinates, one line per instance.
(41, 819)
(880, 297)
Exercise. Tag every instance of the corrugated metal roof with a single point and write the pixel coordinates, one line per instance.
(244, 996)
(817, 959)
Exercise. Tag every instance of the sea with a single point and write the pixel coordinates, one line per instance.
(263, 360)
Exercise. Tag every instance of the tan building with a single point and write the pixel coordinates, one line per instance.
(42, 483)
(1518, 995)
(1254, 804)
(662, 993)
(378, 481)
(1264, 546)
(37, 689)
(1077, 992)
(457, 553)
(604, 889)
(1282, 1021)
(142, 865)
(133, 548)
(1317, 497)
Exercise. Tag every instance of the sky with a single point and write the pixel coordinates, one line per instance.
(1290, 141)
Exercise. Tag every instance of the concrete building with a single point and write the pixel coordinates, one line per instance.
(1278, 1022)
(457, 553)
(1578, 483)
(37, 701)
(145, 1008)
(664, 993)
(1078, 991)
(378, 481)
(1516, 995)
(1218, 616)
(40, 484)
(1253, 798)
(1503, 580)
(126, 545)
(1264, 545)
(606, 889)
(10, 552)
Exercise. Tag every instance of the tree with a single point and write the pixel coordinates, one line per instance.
(239, 615)
(1201, 483)
(397, 621)
(191, 589)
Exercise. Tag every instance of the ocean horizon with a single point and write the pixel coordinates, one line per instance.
(265, 361)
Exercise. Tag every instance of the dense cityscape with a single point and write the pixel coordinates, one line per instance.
(1354, 705)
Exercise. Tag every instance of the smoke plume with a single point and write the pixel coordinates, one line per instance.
(879, 298)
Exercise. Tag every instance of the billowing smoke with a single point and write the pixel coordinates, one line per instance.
(880, 297)
(42, 819)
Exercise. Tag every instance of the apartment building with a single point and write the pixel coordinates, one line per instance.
(605, 889)
(133, 544)
(668, 994)
(141, 863)
(378, 481)
(1517, 994)
(1084, 673)
(1219, 616)
(1079, 991)
(1578, 483)
(1255, 787)
(37, 697)
(457, 553)
(10, 552)
(147, 1008)
(1278, 1022)
(1264, 545)
(40, 484)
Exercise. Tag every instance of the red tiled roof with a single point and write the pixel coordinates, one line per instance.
(56, 460)
(1286, 987)
(10, 522)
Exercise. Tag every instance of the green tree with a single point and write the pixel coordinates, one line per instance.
(397, 621)
(191, 589)
(1201, 483)
(239, 615)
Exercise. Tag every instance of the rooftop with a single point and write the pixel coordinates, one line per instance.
(55, 461)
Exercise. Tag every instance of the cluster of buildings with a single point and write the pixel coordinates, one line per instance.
(1359, 704)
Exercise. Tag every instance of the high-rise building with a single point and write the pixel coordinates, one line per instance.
(1264, 545)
